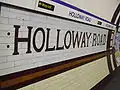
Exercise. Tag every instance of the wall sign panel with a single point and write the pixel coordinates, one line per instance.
(29, 40)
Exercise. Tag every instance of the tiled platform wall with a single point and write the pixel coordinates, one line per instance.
(80, 78)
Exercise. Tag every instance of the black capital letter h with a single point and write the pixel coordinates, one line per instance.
(28, 40)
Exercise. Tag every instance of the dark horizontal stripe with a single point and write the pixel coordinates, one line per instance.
(80, 10)
(47, 14)
(23, 78)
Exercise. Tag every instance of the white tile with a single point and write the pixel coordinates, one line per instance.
(33, 23)
(21, 16)
(22, 62)
(22, 51)
(3, 46)
(6, 65)
(9, 14)
(38, 18)
(6, 40)
(3, 59)
(3, 20)
(53, 20)
(15, 22)
(29, 23)
(4, 33)
(6, 27)
(24, 67)
(6, 52)
(5, 9)
(8, 71)
(19, 11)
(14, 57)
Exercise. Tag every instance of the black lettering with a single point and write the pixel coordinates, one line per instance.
(71, 13)
(67, 46)
(104, 39)
(94, 39)
(83, 41)
(47, 42)
(101, 39)
(16, 39)
(76, 39)
(98, 39)
(57, 46)
(88, 37)
(34, 37)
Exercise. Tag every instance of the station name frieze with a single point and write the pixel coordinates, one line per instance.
(70, 39)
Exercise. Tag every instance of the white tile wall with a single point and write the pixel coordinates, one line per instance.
(3, 20)
(6, 65)
(3, 59)
(11, 63)
(15, 21)
(6, 27)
